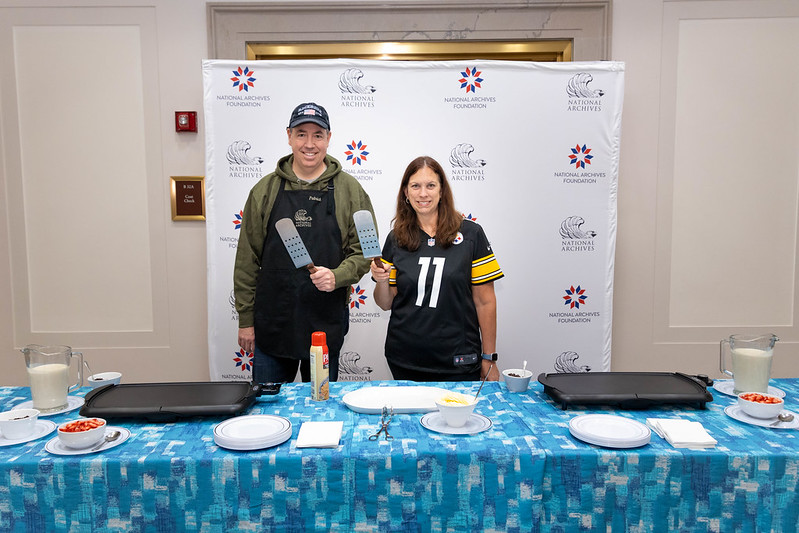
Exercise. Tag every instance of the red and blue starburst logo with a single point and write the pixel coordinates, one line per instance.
(574, 297)
(580, 156)
(357, 297)
(243, 79)
(237, 221)
(356, 152)
(470, 78)
(243, 359)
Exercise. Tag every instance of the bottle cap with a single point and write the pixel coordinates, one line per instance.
(318, 338)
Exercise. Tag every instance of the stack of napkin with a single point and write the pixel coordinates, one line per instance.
(682, 433)
(319, 434)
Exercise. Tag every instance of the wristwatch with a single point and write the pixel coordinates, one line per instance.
(490, 356)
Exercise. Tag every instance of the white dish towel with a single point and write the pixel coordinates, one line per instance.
(682, 433)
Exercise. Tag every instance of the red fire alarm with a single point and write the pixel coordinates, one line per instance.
(185, 120)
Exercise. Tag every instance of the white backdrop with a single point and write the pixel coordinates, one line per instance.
(531, 151)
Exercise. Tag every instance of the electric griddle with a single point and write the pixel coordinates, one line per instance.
(172, 401)
(626, 390)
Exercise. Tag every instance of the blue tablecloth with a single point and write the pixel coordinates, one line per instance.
(526, 473)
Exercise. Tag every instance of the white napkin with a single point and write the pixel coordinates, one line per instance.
(319, 434)
(682, 433)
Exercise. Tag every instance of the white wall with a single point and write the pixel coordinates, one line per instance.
(708, 174)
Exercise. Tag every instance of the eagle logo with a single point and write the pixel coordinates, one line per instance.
(350, 82)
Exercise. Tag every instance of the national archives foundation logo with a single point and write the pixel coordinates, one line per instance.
(471, 81)
(242, 82)
(356, 155)
(580, 159)
(576, 299)
(358, 300)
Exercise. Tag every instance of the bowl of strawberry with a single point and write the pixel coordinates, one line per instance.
(82, 433)
(760, 404)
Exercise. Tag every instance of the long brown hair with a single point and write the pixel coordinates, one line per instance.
(406, 223)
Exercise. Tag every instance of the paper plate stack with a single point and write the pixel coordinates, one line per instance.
(252, 432)
(609, 431)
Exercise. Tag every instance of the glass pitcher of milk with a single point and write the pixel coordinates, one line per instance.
(48, 375)
(751, 357)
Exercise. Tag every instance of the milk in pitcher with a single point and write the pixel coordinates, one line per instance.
(751, 368)
(49, 385)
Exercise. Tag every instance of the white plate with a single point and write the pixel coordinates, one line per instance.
(610, 431)
(475, 424)
(73, 402)
(252, 432)
(734, 411)
(370, 400)
(725, 386)
(55, 445)
(42, 428)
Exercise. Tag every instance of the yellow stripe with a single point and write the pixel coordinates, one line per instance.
(486, 269)
(392, 276)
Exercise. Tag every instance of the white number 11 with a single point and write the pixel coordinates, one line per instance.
(439, 271)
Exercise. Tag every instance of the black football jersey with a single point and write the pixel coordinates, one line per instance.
(433, 317)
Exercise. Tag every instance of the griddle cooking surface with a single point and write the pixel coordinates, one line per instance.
(632, 390)
(170, 401)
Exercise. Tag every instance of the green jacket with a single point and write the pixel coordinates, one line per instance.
(350, 197)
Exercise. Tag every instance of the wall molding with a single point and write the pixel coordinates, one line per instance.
(231, 26)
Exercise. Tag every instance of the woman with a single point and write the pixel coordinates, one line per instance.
(437, 277)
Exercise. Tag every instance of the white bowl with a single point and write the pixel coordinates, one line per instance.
(516, 379)
(760, 404)
(104, 378)
(19, 423)
(83, 438)
(456, 408)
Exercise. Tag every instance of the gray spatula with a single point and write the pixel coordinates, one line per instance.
(294, 245)
(367, 234)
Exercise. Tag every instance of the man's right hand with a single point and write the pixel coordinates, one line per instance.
(247, 339)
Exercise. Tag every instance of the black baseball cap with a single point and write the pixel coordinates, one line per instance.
(309, 112)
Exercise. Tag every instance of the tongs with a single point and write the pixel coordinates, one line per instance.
(385, 420)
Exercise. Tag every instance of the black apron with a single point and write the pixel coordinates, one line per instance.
(288, 307)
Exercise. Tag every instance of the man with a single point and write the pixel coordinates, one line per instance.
(279, 305)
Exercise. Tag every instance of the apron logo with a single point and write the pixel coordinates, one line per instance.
(315, 198)
(301, 219)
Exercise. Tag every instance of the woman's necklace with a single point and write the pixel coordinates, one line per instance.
(429, 227)
(431, 236)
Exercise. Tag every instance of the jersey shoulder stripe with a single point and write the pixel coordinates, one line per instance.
(486, 269)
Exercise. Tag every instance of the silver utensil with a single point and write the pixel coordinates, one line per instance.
(367, 235)
(782, 417)
(114, 435)
(385, 420)
(484, 382)
(294, 245)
